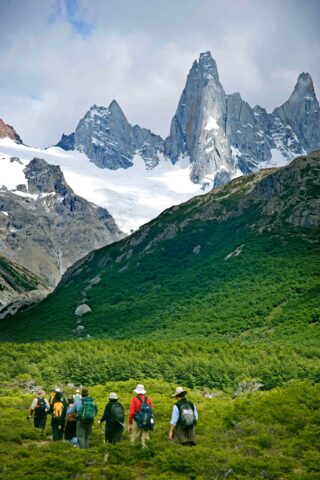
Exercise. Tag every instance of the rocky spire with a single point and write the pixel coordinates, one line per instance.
(6, 131)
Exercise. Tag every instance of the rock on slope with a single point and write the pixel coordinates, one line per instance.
(45, 227)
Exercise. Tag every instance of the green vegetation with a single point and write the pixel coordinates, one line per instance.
(220, 295)
(262, 435)
(233, 263)
(17, 277)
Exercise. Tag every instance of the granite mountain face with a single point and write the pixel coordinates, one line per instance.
(221, 134)
(45, 227)
(241, 258)
(108, 139)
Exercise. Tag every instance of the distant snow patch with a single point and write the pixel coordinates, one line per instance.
(212, 124)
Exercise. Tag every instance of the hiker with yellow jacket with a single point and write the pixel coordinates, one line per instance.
(58, 408)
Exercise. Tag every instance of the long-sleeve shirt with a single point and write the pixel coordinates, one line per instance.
(136, 405)
(175, 415)
(107, 417)
(35, 403)
(77, 405)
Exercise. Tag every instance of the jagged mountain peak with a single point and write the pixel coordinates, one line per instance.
(208, 66)
(303, 88)
(8, 131)
(45, 178)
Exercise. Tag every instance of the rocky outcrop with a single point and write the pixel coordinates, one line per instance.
(108, 139)
(8, 131)
(225, 137)
(48, 228)
(221, 134)
(18, 287)
(198, 127)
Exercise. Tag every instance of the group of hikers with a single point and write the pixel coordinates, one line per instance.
(72, 418)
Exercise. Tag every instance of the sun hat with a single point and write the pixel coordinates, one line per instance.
(140, 389)
(113, 396)
(41, 393)
(179, 391)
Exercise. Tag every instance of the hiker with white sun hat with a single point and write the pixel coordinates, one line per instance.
(141, 420)
(183, 419)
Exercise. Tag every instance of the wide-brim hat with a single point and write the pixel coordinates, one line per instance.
(41, 393)
(113, 396)
(140, 389)
(179, 391)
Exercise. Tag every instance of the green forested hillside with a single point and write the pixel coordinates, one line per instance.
(220, 295)
(242, 261)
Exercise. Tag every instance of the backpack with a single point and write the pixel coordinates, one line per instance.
(87, 411)
(57, 409)
(40, 410)
(144, 417)
(187, 417)
(116, 413)
(71, 417)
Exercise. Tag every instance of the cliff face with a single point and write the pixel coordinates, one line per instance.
(45, 227)
(8, 131)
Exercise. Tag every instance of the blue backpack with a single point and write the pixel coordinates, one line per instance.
(144, 417)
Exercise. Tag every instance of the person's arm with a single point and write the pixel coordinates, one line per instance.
(105, 414)
(132, 413)
(174, 421)
(75, 407)
(196, 416)
(33, 407)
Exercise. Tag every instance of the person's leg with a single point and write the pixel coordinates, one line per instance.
(116, 436)
(80, 434)
(135, 432)
(55, 430)
(144, 437)
(87, 434)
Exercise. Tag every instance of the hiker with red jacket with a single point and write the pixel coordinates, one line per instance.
(39, 409)
(141, 419)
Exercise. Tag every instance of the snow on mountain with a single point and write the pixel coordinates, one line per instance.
(132, 196)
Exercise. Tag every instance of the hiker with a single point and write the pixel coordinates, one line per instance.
(38, 410)
(53, 394)
(114, 417)
(86, 410)
(141, 419)
(70, 427)
(77, 395)
(58, 415)
(183, 420)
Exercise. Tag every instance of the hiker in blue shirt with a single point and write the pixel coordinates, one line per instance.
(183, 419)
(86, 410)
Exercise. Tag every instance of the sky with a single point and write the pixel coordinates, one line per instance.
(59, 57)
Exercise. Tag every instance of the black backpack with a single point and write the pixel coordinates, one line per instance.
(40, 410)
(187, 418)
(144, 417)
(116, 413)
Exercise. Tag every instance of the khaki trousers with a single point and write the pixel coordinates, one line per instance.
(138, 434)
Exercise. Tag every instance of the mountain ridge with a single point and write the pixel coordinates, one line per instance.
(220, 265)
(221, 134)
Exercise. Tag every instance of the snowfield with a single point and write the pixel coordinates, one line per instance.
(133, 196)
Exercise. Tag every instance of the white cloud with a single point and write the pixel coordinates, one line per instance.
(60, 57)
